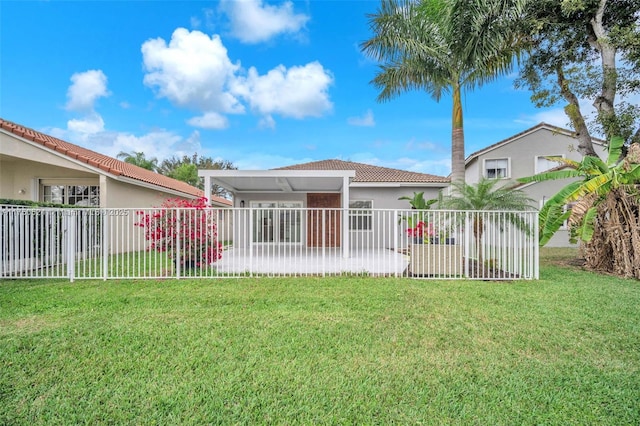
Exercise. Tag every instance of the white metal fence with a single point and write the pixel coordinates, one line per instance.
(211, 243)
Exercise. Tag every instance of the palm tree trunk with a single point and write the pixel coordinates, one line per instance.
(457, 138)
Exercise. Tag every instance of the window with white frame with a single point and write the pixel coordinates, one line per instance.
(77, 195)
(496, 168)
(543, 163)
(360, 215)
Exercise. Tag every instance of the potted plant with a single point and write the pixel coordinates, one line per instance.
(417, 226)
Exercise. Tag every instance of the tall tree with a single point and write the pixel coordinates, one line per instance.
(186, 169)
(443, 46)
(586, 50)
(139, 159)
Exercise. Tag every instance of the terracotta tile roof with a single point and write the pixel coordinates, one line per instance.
(100, 161)
(369, 173)
(551, 127)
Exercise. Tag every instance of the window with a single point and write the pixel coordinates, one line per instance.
(360, 215)
(78, 195)
(496, 168)
(543, 164)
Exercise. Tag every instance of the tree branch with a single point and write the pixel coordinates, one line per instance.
(585, 145)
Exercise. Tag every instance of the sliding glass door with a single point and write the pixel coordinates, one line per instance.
(277, 221)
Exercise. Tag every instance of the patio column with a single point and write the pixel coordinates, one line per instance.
(207, 188)
(345, 217)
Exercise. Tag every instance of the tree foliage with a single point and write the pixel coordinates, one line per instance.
(487, 194)
(186, 170)
(604, 210)
(586, 50)
(139, 159)
(443, 46)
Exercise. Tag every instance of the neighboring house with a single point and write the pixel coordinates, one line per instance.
(38, 167)
(524, 155)
(327, 184)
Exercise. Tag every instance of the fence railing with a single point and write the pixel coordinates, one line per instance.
(212, 243)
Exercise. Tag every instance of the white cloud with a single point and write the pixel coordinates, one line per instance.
(193, 70)
(253, 21)
(86, 88)
(366, 120)
(298, 92)
(90, 124)
(161, 144)
(555, 117)
(210, 120)
(267, 122)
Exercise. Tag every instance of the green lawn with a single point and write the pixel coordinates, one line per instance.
(350, 350)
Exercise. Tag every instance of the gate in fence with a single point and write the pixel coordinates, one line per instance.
(89, 243)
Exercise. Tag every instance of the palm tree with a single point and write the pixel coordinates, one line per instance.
(604, 203)
(483, 196)
(443, 46)
(139, 159)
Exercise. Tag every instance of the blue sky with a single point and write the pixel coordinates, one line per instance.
(261, 84)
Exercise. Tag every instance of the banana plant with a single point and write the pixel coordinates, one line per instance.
(597, 179)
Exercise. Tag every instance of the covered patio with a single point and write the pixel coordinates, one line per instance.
(263, 191)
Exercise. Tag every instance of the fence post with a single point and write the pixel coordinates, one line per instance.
(323, 242)
(467, 243)
(178, 257)
(536, 246)
(396, 242)
(71, 243)
(104, 221)
(250, 241)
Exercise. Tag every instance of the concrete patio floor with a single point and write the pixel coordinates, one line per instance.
(297, 260)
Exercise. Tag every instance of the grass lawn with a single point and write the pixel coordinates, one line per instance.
(350, 350)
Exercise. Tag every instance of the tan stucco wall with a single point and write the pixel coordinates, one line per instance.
(17, 174)
(22, 165)
(125, 195)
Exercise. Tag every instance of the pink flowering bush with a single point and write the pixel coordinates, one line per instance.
(186, 229)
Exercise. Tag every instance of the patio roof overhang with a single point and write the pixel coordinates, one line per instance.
(286, 181)
(238, 181)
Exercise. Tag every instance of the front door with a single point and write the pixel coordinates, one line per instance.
(324, 220)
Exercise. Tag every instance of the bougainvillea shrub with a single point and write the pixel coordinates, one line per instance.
(185, 229)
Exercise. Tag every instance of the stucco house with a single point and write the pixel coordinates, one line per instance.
(328, 184)
(524, 154)
(39, 167)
